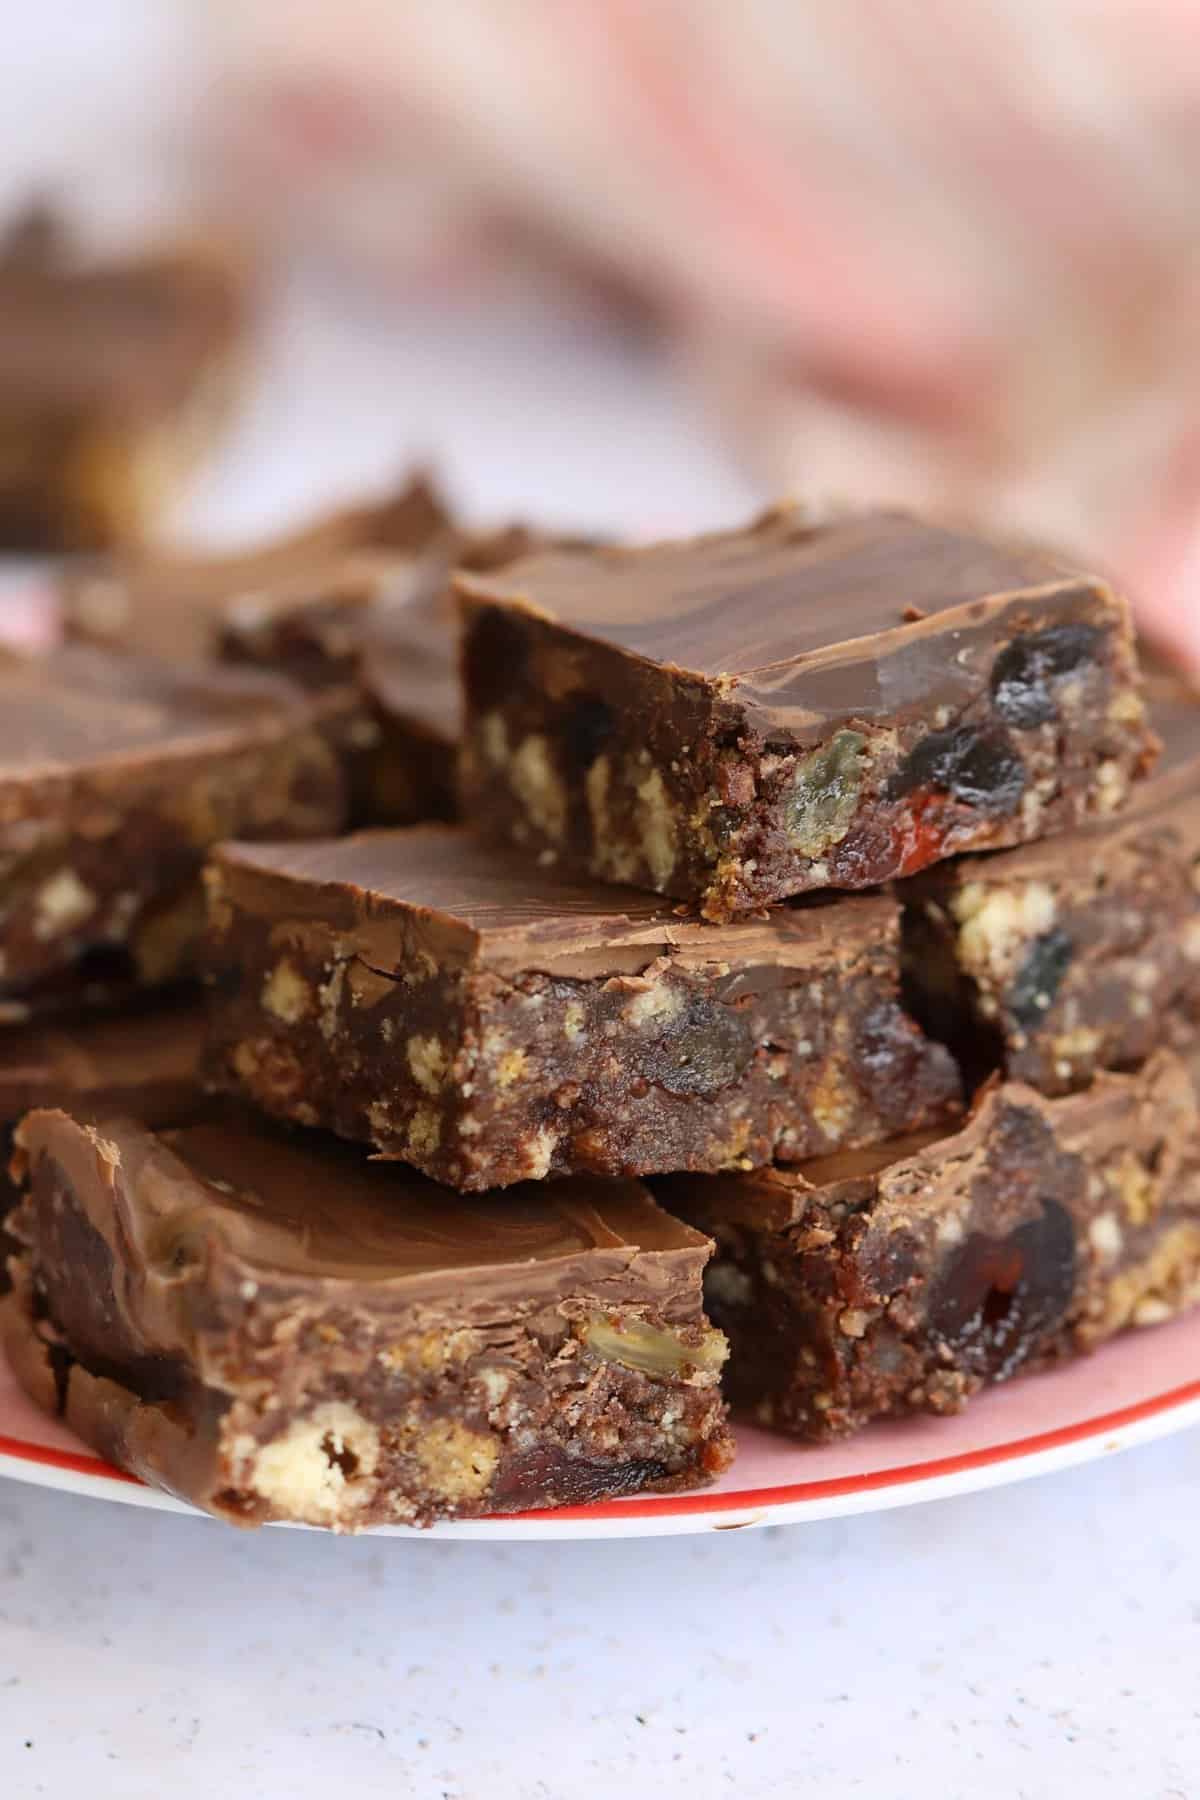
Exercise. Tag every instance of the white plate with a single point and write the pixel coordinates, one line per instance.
(1144, 1386)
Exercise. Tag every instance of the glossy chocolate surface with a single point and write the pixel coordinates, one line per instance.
(143, 1063)
(208, 1207)
(84, 707)
(436, 887)
(409, 662)
(788, 617)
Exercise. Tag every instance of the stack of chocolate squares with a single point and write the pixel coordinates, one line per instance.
(878, 1051)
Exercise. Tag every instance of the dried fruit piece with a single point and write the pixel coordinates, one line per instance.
(1001, 1298)
(1025, 671)
(495, 658)
(1036, 987)
(707, 1047)
(588, 728)
(820, 808)
(980, 768)
(891, 1061)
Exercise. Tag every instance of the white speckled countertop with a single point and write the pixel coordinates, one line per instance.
(1022, 1643)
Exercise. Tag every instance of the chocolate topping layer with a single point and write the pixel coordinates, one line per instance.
(143, 1063)
(277, 1329)
(924, 1168)
(440, 890)
(82, 707)
(177, 606)
(409, 666)
(799, 622)
(202, 1211)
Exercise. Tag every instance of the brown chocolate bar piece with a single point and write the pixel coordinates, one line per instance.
(491, 1022)
(337, 627)
(385, 627)
(145, 1064)
(116, 775)
(408, 675)
(903, 1278)
(274, 1330)
(324, 573)
(314, 625)
(112, 375)
(390, 626)
(744, 717)
(1058, 959)
(322, 636)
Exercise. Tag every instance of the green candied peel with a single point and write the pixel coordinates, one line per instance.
(651, 1351)
(820, 808)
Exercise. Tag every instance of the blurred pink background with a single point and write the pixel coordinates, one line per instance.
(897, 251)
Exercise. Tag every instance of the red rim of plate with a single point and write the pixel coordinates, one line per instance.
(666, 1505)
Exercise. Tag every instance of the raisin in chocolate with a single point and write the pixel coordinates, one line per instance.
(1040, 977)
(1002, 1299)
(888, 1050)
(1025, 672)
(709, 1047)
(981, 768)
(588, 731)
